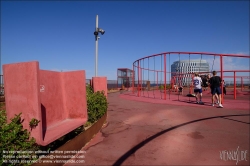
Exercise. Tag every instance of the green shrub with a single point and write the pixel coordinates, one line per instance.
(168, 86)
(33, 123)
(161, 87)
(14, 138)
(96, 104)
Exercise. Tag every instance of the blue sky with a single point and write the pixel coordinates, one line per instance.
(59, 34)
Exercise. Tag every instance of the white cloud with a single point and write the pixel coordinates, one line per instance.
(237, 53)
(229, 63)
(242, 53)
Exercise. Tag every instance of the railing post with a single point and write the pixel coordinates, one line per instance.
(117, 79)
(133, 79)
(165, 79)
(241, 84)
(138, 82)
(221, 75)
(234, 85)
(141, 78)
(157, 79)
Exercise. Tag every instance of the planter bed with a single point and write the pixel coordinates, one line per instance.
(75, 144)
(2, 99)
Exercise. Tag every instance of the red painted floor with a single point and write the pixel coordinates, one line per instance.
(144, 131)
(241, 101)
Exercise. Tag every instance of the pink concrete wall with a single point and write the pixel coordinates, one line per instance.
(74, 85)
(22, 93)
(69, 108)
(51, 90)
(57, 99)
(99, 84)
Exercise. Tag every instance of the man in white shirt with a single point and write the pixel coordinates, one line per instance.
(197, 87)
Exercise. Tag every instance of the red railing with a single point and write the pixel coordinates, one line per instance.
(139, 69)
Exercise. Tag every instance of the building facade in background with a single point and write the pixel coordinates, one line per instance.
(182, 71)
(125, 77)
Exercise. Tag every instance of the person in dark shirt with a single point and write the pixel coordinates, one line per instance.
(215, 83)
(224, 87)
(180, 90)
(204, 82)
(216, 95)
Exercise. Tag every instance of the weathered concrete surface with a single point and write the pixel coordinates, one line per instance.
(141, 133)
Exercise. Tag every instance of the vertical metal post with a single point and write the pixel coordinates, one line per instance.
(138, 82)
(165, 70)
(133, 79)
(241, 84)
(148, 85)
(234, 85)
(96, 46)
(141, 78)
(190, 91)
(154, 78)
(157, 78)
(221, 75)
(191, 87)
(117, 79)
(169, 75)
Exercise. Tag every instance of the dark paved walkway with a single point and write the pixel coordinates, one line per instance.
(141, 133)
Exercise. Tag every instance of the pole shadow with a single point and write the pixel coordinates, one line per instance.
(141, 144)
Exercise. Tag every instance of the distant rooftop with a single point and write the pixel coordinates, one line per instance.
(191, 60)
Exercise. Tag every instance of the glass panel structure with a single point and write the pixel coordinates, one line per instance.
(124, 77)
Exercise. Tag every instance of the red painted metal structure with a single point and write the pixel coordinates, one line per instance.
(241, 80)
(234, 76)
(138, 67)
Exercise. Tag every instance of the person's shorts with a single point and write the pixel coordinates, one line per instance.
(205, 85)
(216, 90)
(197, 90)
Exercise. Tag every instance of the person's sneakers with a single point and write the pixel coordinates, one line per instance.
(216, 102)
(220, 105)
(212, 104)
(197, 102)
(201, 103)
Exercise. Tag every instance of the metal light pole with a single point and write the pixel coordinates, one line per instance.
(97, 30)
(96, 45)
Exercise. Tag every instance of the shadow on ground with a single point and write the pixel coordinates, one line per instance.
(141, 144)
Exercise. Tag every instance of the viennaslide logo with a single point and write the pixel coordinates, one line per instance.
(236, 155)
